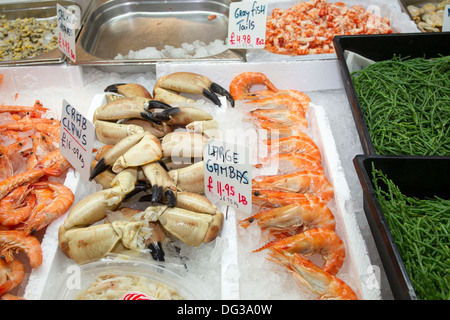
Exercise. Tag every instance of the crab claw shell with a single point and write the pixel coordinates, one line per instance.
(191, 227)
(112, 132)
(187, 115)
(158, 130)
(114, 153)
(94, 242)
(190, 178)
(129, 90)
(161, 182)
(193, 83)
(180, 145)
(93, 208)
(147, 150)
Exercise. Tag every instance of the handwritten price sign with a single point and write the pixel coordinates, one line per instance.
(228, 175)
(68, 22)
(446, 23)
(76, 139)
(247, 24)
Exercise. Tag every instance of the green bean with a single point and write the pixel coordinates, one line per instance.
(421, 232)
(410, 99)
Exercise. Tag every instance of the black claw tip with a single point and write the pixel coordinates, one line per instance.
(99, 168)
(171, 198)
(220, 90)
(157, 193)
(156, 251)
(212, 96)
(114, 87)
(149, 116)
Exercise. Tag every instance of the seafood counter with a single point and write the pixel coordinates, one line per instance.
(130, 206)
(143, 226)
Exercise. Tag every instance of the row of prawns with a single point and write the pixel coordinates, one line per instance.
(292, 204)
(30, 195)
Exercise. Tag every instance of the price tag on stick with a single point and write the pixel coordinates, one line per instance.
(68, 23)
(446, 23)
(247, 24)
(228, 174)
(76, 139)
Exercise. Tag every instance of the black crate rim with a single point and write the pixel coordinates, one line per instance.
(356, 110)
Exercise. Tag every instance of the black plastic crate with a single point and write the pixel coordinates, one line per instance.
(380, 48)
(421, 177)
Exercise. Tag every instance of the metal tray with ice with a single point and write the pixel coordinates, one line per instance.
(123, 33)
(22, 46)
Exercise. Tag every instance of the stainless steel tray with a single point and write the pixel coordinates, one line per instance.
(118, 26)
(418, 3)
(40, 10)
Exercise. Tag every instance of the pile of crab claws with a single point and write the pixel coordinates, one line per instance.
(156, 251)
(100, 167)
(215, 88)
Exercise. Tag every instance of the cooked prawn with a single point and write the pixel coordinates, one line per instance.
(313, 241)
(12, 241)
(36, 111)
(307, 181)
(287, 118)
(241, 85)
(11, 275)
(17, 206)
(291, 162)
(7, 185)
(309, 275)
(274, 198)
(53, 200)
(280, 101)
(301, 143)
(294, 218)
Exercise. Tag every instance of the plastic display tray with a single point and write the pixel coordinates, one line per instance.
(420, 177)
(379, 48)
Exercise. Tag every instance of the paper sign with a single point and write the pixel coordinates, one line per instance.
(76, 139)
(68, 22)
(446, 23)
(228, 174)
(247, 24)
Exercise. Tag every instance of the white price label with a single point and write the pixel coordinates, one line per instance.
(68, 23)
(76, 139)
(228, 174)
(446, 23)
(247, 24)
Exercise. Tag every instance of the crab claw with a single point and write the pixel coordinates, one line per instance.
(156, 251)
(167, 88)
(215, 88)
(129, 90)
(100, 167)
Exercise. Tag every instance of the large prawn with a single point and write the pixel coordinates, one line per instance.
(300, 143)
(53, 200)
(241, 85)
(307, 181)
(313, 241)
(307, 274)
(12, 241)
(17, 205)
(293, 218)
(11, 275)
